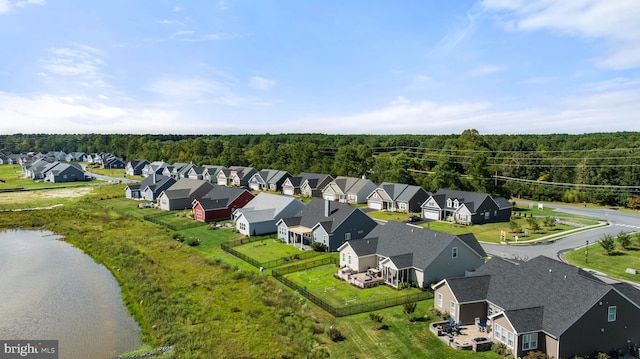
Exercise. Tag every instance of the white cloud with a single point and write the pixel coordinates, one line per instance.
(181, 92)
(484, 70)
(7, 5)
(261, 83)
(46, 113)
(82, 63)
(177, 9)
(458, 33)
(615, 22)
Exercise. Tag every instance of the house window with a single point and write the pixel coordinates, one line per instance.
(454, 252)
(449, 203)
(452, 308)
(349, 258)
(612, 313)
(347, 236)
(198, 213)
(402, 206)
(315, 236)
(503, 335)
(456, 204)
(344, 257)
(439, 300)
(487, 214)
(530, 341)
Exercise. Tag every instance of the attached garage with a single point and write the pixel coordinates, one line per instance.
(431, 214)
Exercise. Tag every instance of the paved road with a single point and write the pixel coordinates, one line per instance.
(618, 221)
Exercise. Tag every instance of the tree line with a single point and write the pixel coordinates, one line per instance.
(597, 168)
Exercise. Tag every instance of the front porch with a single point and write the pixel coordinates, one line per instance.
(463, 337)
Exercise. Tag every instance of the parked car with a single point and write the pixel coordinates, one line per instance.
(414, 219)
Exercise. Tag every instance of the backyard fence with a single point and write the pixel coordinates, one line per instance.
(369, 306)
(228, 247)
(157, 220)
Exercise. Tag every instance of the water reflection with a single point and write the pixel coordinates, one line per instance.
(52, 290)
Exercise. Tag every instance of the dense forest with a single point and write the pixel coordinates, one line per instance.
(598, 168)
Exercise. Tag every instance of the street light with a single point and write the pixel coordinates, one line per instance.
(586, 253)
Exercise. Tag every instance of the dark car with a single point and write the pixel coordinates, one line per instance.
(414, 219)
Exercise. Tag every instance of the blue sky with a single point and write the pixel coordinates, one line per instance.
(338, 67)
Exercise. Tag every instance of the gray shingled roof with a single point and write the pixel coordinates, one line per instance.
(397, 239)
(350, 184)
(266, 206)
(564, 292)
(400, 192)
(314, 213)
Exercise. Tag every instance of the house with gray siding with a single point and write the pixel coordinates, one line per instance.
(65, 172)
(268, 180)
(325, 222)
(397, 197)
(545, 305)
(306, 184)
(182, 193)
(348, 189)
(466, 207)
(135, 167)
(149, 188)
(411, 254)
(260, 215)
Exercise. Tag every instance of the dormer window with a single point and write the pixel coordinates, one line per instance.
(456, 204)
(449, 203)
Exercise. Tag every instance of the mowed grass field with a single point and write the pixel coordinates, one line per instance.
(320, 282)
(614, 265)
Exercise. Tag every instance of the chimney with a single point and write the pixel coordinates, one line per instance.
(154, 177)
(327, 208)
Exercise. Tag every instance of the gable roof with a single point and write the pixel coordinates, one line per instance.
(536, 289)
(220, 197)
(184, 187)
(399, 191)
(314, 213)
(272, 176)
(350, 184)
(396, 240)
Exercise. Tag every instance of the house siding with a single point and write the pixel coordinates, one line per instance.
(470, 311)
(447, 297)
(444, 266)
(586, 335)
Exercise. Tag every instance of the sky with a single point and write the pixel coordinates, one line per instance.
(335, 67)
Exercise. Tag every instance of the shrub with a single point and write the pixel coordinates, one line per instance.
(409, 308)
(608, 243)
(535, 354)
(319, 247)
(377, 319)
(334, 334)
(625, 239)
(193, 242)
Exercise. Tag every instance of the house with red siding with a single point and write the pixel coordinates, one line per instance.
(219, 203)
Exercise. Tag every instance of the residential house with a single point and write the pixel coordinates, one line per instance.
(65, 172)
(268, 180)
(210, 173)
(238, 176)
(57, 155)
(466, 207)
(411, 254)
(397, 197)
(306, 184)
(195, 172)
(149, 188)
(544, 305)
(325, 222)
(348, 189)
(261, 214)
(181, 170)
(182, 193)
(76, 157)
(38, 169)
(219, 203)
(135, 167)
(114, 162)
(156, 167)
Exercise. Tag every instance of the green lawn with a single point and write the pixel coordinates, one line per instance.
(613, 265)
(400, 339)
(338, 293)
(267, 249)
(11, 176)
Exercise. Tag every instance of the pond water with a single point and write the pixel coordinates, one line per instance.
(50, 290)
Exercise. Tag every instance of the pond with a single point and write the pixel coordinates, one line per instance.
(50, 290)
